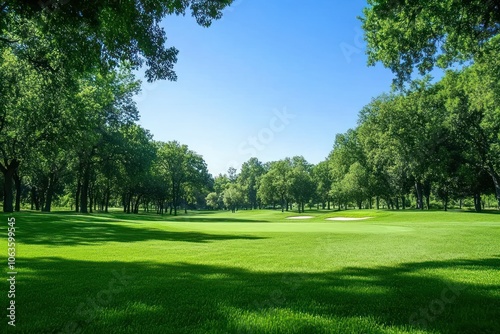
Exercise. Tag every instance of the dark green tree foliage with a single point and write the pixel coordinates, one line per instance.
(404, 35)
(302, 187)
(100, 34)
(182, 169)
(249, 179)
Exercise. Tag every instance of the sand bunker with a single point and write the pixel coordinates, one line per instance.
(347, 218)
(300, 217)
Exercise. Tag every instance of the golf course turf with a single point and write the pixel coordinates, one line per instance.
(255, 272)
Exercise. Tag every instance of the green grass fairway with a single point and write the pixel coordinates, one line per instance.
(255, 272)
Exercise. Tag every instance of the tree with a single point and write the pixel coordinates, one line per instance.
(249, 178)
(355, 184)
(212, 200)
(472, 99)
(301, 184)
(277, 182)
(233, 196)
(102, 105)
(136, 154)
(421, 34)
(182, 168)
(346, 151)
(267, 192)
(322, 178)
(31, 114)
(100, 34)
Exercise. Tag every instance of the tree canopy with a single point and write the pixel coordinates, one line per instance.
(407, 35)
(100, 34)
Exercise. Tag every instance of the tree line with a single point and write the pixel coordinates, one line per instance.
(68, 128)
(69, 134)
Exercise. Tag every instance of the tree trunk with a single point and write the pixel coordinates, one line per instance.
(47, 206)
(106, 199)
(84, 191)
(137, 201)
(420, 199)
(91, 198)
(477, 202)
(403, 202)
(124, 202)
(129, 201)
(33, 197)
(390, 204)
(17, 182)
(378, 202)
(496, 181)
(8, 187)
(77, 196)
(427, 194)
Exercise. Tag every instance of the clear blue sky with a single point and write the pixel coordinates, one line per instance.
(271, 79)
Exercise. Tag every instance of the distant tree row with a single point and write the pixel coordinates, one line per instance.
(75, 142)
(431, 142)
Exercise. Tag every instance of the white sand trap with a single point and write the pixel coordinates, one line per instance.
(347, 218)
(300, 217)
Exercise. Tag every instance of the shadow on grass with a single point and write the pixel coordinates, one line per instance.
(72, 229)
(487, 211)
(191, 216)
(120, 297)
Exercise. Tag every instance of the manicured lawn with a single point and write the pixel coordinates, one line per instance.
(255, 272)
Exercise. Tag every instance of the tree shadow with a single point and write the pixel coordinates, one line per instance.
(103, 297)
(191, 216)
(487, 211)
(63, 230)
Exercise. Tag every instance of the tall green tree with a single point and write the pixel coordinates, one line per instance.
(183, 168)
(249, 179)
(301, 185)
